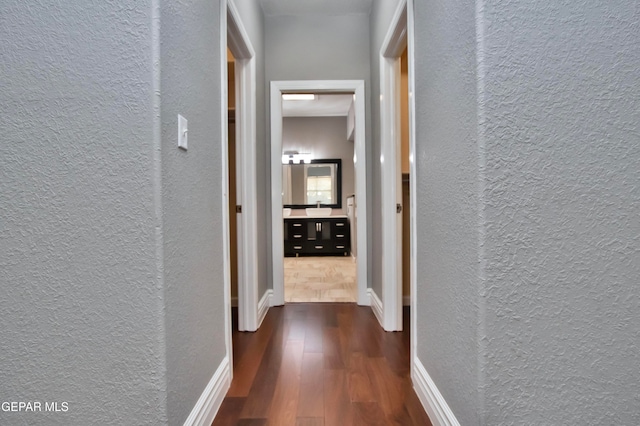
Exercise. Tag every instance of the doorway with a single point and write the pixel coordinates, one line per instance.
(318, 171)
(244, 208)
(278, 88)
(397, 171)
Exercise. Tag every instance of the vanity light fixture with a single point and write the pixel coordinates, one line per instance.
(294, 157)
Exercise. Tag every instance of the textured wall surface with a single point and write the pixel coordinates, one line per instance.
(321, 48)
(317, 47)
(543, 256)
(325, 137)
(79, 298)
(191, 201)
(561, 103)
(447, 201)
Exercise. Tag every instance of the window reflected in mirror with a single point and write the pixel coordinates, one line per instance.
(307, 185)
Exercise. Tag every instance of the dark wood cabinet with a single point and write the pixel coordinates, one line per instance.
(316, 236)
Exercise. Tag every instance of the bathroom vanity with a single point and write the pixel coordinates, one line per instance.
(316, 236)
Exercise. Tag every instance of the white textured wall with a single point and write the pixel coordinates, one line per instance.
(560, 97)
(528, 145)
(325, 137)
(79, 301)
(191, 201)
(111, 254)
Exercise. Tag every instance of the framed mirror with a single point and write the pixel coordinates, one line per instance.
(306, 184)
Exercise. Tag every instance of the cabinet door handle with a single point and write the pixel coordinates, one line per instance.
(297, 224)
(297, 236)
(297, 247)
(319, 247)
(340, 236)
(339, 247)
(339, 224)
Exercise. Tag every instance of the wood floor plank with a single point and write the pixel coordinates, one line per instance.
(330, 315)
(386, 386)
(297, 328)
(252, 422)
(369, 342)
(260, 396)
(284, 407)
(413, 406)
(313, 335)
(360, 388)
(311, 397)
(347, 334)
(368, 414)
(338, 410)
(332, 348)
(310, 421)
(394, 351)
(229, 412)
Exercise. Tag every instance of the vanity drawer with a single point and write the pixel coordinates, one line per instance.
(292, 249)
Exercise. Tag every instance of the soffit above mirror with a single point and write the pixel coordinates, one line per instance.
(325, 105)
(315, 7)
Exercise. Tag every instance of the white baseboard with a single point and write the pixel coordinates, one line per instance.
(376, 306)
(432, 400)
(406, 301)
(263, 305)
(209, 402)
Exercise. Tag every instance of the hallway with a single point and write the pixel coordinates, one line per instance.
(321, 364)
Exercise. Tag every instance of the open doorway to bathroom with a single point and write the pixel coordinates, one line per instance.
(318, 197)
(322, 217)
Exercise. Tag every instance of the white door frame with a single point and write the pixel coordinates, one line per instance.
(235, 37)
(396, 39)
(360, 164)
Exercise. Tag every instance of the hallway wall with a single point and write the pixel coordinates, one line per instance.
(82, 297)
(560, 122)
(319, 48)
(527, 131)
(112, 255)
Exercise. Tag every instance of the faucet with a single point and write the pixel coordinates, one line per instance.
(318, 204)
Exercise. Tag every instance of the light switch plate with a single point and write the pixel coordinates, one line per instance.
(182, 132)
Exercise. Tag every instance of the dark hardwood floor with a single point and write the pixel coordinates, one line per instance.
(321, 364)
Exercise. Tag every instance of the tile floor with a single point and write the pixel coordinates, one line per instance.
(320, 279)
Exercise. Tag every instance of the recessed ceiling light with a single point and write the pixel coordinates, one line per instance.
(298, 97)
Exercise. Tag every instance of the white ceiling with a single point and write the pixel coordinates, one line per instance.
(315, 7)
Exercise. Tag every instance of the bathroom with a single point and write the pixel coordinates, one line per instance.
(318, 198)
